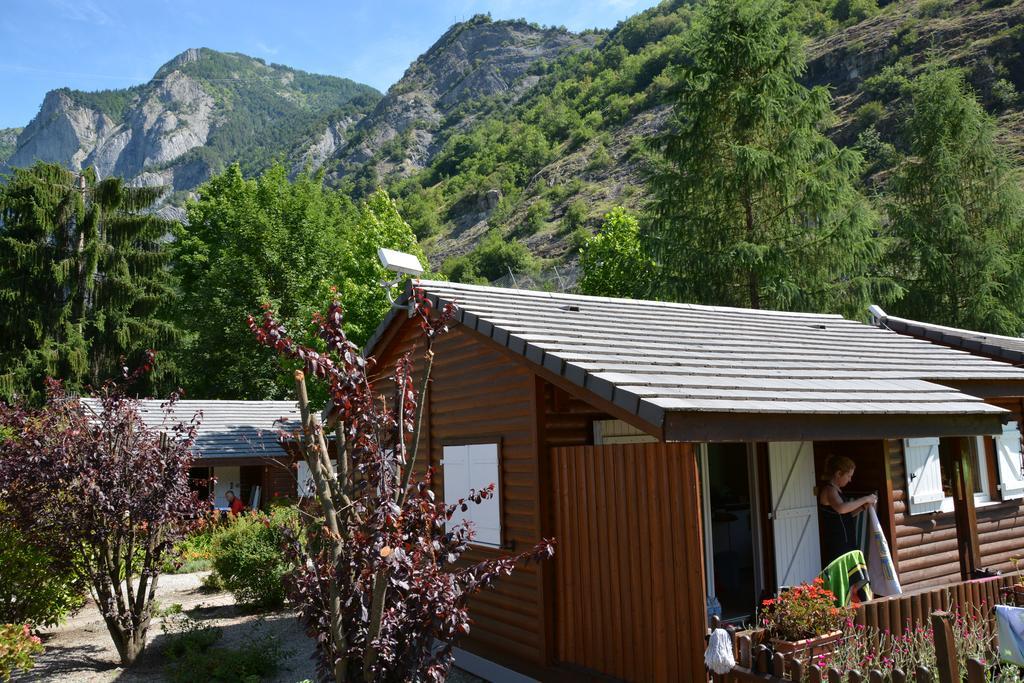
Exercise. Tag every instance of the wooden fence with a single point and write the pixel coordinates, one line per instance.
(896, 613)
(758, 664)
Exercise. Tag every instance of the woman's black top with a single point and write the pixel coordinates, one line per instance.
(838, 531)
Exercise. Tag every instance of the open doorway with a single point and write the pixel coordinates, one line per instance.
(730, 530)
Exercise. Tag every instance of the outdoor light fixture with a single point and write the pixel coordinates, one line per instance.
(400, 264)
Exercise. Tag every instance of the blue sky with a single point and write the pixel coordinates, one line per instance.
(99, 44)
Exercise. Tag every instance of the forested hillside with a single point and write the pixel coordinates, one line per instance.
(543, 164)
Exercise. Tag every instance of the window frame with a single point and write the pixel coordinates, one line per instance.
(498, 484)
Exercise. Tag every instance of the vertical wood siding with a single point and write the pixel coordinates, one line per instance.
(630, 572)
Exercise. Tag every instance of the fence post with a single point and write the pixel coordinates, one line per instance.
(923, 675)
(945, 648)
(975, 671)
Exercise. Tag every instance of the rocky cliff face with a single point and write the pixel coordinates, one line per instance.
(173, 117)
(203, 109)
(8, 141)
(472, 60)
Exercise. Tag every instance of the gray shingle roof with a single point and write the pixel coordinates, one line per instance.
(1009, 349)
(653, 358)
(229, 429)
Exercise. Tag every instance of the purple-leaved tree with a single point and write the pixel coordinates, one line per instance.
(113, 492)
(378, 587)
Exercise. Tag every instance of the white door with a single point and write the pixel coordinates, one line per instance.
(228, 479)
(794, 512)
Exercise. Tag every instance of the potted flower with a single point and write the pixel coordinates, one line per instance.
(804, 622)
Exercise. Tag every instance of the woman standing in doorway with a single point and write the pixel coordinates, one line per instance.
(837, 514)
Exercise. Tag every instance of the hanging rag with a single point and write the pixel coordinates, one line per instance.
(881, 569)
(718, 657)
(847, 578)
(1010, 626)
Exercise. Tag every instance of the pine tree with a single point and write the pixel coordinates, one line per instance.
(751, 204)
(83, 278)
(957, 213)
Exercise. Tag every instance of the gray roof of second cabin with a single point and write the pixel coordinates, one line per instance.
(1009, 349)
(228, 429)
(652, 358)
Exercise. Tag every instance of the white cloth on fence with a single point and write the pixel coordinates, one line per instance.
(718, 657)
(1010, 625)
(881, 569)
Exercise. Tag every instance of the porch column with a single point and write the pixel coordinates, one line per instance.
(963, 507)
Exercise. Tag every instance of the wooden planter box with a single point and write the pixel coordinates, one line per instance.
(807, 650)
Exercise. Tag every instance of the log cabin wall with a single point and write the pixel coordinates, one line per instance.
(478, 395)
(1001, 525)
(926, 547)
(927, 550)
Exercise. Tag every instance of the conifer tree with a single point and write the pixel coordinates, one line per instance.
(752, 205)
(82, 278)
(957, 213)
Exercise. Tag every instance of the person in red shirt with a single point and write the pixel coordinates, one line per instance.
(235, 503)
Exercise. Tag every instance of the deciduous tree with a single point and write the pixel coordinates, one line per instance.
(613, 262)
(111, 493)
(382, 592)
(270, 239)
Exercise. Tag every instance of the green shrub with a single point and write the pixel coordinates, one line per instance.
(869, 114)
(536, 216)
(462, 269)
(1004, 92)
(192, 656)
(495, 257)
(193, 553)
(18, 648)
(934, 8)
(575, 215)
(249, 560)
(32, 588)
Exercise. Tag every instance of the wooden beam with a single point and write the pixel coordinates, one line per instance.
(964, 510)
(710, 427)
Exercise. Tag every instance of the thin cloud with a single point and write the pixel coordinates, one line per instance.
(85, 11)
(266, 49)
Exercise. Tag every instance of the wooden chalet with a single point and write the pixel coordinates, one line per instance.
(237, 445)
(673, 451)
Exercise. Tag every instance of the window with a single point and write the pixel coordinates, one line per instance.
(474, 466)
(305, 487)
(1008, 459)
(930, 470)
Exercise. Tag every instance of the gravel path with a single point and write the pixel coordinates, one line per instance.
(80, 651)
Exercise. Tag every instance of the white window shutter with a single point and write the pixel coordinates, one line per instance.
(304, 486)
(1011, 479)
(483, 471)
(924, 476)
(456, 481)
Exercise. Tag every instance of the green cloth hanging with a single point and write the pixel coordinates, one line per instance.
(847, 578)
